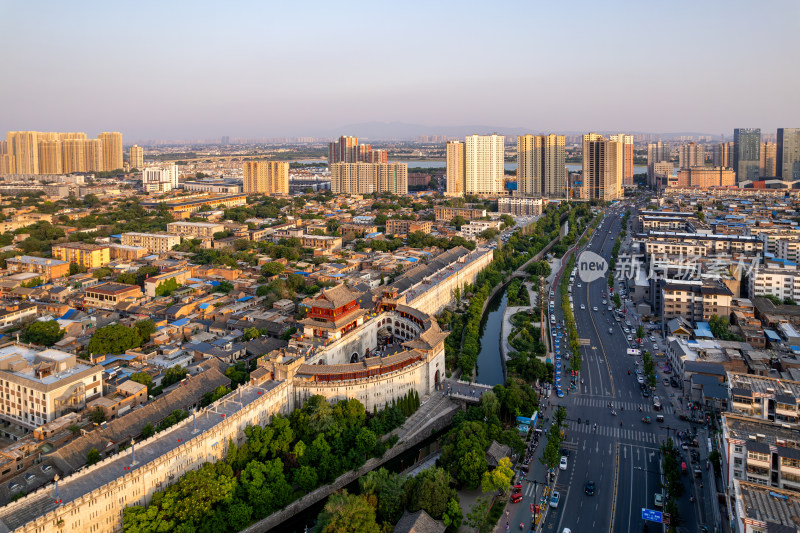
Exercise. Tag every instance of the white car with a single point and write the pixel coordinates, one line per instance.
(583, 306)
(563, 464)
(640, 380)
(604, 302)
(652, 338)
(594, 308)
(630, 339)
(554, 499)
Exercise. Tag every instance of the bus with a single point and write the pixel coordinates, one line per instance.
(632, 351)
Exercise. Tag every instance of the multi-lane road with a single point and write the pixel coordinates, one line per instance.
(621, 455)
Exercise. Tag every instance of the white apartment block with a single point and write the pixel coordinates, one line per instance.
(39, 387)
(156, 243)
(485, 164)
(514, 205)
(476, 227)
(778, 282)
(160, 179)
(788, 249)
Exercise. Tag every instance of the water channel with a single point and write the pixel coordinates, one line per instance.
(490, 365)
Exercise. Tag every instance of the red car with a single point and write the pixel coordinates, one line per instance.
(516, 497)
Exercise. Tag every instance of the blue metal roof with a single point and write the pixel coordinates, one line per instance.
(205, 305)
(69, 314)
(181, 322)
(772, 335)
(244, 299)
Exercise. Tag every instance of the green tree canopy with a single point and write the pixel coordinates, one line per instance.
(45, 333)
(345, 513)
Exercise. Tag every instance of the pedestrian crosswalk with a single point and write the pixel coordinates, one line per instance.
(617, 432)
(602, 402)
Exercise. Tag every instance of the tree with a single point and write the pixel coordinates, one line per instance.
(97, 415)
(387, 489)
(117, 338)
(102, 272)
(223, 287)
(347, 512)
(458, 221)
(148, 431)
(75, 268)
(640, 332)
(499, 478)
(165, 288)
(271, 269)
(477, 512)
(35, 282)
(142, 377)
(430, 490)
(251, 333)
(45, 333)
(305, 478)
(173, 375)
(92, 457)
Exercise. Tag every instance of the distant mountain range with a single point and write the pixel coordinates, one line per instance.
(405, 131)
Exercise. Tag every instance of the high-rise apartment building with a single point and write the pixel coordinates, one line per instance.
(656, 153)
(343, 150)
(22, 145)
(691, 155)
(266, 177)
(5, 158)
(112, 150)
(368, 178)
(50, 160)
(540, 166)
(766, 160)
(627, 156)
(746, 153)
(485, 164)
(93, 156)
(160, 179)
(456, 168)
(136, 157)
(788, 154)
(602, 167)
(723, 155)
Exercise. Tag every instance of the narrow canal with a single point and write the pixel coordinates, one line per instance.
(490, 364)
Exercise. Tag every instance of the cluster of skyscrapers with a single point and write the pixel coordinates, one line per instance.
(347, 150)
(36, 152)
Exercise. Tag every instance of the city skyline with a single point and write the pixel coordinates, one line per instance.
(245, 72)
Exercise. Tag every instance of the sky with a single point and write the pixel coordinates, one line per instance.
(199, 70)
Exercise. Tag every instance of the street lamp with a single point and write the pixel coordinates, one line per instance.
(535, 503)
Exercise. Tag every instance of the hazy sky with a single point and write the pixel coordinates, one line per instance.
(189, 70)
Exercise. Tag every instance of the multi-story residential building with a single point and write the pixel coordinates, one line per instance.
(694, 300)
(46, 268)
(660, 174)
(194, 229)
(484, 165)
(156, 243)
(85, 255)
(779, 282)
(109, 295)
(137, 157)
(347, 150)
(746, 153)
(324, 242)
(266, 177)
(127, 253)
(112, 150)
(691, 155)
(788, 154)
(446, 214)
(396, 226)
(723, 155)
(602, 167)
(160, 179)
(540, 166)
(367, 178)
(476, 227)
(706, 177)
(359, 230)
(24, 152)
(656, 153)
(11, 314)
(153, 282)
(456, 168)
(521, 206)
(765, 398)
(41, 386)
(627, 156)
(788, 249)
(767, 160)
(50, 159)
(712, 242)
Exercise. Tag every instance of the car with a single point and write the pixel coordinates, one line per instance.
(604, 302)
(554, 499)
(579, 285)
(639, 371)
(610, 308)
(563, 464)
(630, 338)
(665, 381)
(658, 501)
(589, 488)
(567, 530)
(583, 306)
(610, 331)
(640, 379)
(645, 392)
(652, 338)
(565, 452)
(655, 346)
(594, 308)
